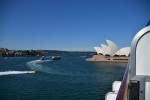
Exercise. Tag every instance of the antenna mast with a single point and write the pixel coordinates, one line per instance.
(148, 23)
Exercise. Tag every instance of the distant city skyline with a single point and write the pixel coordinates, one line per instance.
(70, 25)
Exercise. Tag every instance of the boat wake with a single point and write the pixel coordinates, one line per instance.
(16, 72)
(40, 65)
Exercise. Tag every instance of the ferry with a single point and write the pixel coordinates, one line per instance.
(136, 81)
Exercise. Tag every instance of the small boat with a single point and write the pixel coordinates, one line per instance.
(32, 71)
(42, 58)
(56, 57)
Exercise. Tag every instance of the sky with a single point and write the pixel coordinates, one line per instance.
(72, 25)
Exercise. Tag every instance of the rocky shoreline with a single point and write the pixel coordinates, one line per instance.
(14, 53)
(4, 52)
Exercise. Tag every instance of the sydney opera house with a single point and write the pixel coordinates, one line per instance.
(111, 53)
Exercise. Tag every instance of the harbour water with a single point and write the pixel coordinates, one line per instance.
(70, 78)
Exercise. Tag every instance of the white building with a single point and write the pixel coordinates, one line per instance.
(123, 51)
(112, 49)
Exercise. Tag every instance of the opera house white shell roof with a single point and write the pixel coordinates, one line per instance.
(123, 51)
(105, 49)
(112, 49)
(98, 50)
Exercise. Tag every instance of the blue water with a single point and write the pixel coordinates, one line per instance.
(71, 78)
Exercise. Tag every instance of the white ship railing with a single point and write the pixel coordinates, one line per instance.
(136, 82)
(115, 88)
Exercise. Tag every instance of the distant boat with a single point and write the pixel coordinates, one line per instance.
(32, 71)
(56, 57)
(42, 58)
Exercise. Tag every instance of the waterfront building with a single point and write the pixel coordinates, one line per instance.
(111, 53)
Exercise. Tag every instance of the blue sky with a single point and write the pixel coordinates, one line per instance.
(76, 25)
